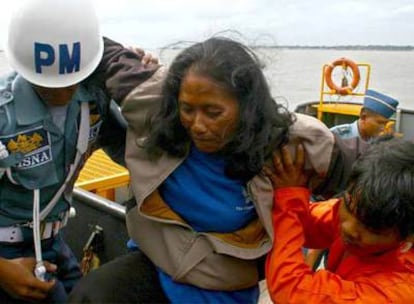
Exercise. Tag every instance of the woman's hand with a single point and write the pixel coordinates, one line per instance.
(285, 172)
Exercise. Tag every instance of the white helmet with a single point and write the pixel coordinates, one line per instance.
(54, 43)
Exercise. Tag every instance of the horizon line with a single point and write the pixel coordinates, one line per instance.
(299, 46)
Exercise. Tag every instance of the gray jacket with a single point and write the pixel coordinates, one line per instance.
(207, 260)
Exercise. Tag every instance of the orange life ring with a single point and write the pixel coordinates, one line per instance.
(344, 62)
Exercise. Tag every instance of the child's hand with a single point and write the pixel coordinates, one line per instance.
(286, 173)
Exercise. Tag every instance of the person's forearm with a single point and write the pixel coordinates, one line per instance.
(122, 70)
(290, 279)
(285, 265)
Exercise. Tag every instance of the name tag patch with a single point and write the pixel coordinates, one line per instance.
(34, 144)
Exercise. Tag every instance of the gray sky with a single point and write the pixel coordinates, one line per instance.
(157, 23)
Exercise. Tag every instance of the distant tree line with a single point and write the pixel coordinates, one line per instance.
(324, 47)
(344, 47)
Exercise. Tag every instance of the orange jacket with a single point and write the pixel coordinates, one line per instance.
(388, 278)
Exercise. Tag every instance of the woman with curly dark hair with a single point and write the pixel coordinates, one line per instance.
(203, 208)
(247, 135)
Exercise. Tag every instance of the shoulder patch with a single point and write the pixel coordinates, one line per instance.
(34, 144)
(342, 129)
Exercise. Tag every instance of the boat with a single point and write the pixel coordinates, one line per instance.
(341, 103)
(98, 230)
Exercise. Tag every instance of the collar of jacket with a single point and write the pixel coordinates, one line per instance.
(26, 98)
(317, 140)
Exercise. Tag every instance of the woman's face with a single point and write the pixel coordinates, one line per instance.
(208, 111)
(361, 240)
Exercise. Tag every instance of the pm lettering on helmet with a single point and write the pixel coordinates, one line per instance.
(69, 62)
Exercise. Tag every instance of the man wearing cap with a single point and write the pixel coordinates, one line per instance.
(374, 115)
(353, 139)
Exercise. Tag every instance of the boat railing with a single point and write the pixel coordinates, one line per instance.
(349, 82)
(96, 213)
(99, 203)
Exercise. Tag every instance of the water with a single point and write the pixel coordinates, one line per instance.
(295, 75)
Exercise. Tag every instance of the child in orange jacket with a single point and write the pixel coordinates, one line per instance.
(369, 231)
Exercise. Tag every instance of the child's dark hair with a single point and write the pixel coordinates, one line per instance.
(382, 181)
(263, 124)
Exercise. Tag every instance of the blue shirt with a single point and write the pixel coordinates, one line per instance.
(347, 130)
(200, 193)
